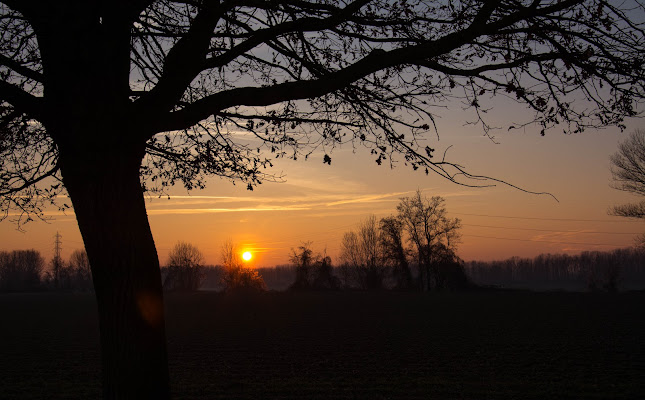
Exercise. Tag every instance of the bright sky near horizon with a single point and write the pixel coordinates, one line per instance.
(319, 203)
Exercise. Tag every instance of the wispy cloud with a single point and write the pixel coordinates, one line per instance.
(320, 201)
(368, 198)
(328, 199)
(198, 197)
(184, 211)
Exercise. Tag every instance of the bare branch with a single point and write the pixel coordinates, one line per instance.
(25, 102)
(21, 69)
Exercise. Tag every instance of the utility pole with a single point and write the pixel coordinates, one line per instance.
(57, 262)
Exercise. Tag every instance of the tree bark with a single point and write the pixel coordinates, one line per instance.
(110, 210)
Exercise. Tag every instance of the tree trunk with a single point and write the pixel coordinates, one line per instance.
(110, 210)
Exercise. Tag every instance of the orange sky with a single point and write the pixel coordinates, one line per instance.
(319, 203)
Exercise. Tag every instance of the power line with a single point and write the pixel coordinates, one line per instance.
(545, 219)
(554, 230)
(541, 241)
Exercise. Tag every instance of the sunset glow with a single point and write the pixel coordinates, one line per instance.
(246, 256)
(320, 203)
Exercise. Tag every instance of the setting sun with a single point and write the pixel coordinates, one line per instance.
(247, 255)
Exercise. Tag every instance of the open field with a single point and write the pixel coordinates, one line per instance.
(498, 345)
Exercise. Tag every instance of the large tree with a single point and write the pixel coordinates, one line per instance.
(106, 99)
(431, 233)
(628, 172)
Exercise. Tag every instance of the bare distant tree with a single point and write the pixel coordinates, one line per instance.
(303, 258)
(185, 263)
(395, 252)
(81, 271)
(237, 277)
(59, 273)
(363, 254)
(230, 254)
(433, 235)
(79, 260)
(96, 95)
(628, 172)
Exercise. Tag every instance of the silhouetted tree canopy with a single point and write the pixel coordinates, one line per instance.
(185, 263)
(104, 99)
(395, 252)
(189, 77)
(363, 254)
(303, 259)
(628, 172)
(433, 237)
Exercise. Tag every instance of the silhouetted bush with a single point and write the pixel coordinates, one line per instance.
(240, 279)
(452, 276)
(324, 278)
(312, 272)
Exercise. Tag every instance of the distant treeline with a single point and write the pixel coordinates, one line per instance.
(621, 269)
(25, 270)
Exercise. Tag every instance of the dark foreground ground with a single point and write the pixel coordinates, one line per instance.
(512, 345)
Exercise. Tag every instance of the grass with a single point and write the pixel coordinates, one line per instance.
(498, 345)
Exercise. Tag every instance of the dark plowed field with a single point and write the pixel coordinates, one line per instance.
(497, 345)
